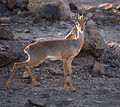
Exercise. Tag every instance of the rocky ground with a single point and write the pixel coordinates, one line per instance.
(93, 89)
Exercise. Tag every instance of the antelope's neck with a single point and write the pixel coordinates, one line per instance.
(80, 36)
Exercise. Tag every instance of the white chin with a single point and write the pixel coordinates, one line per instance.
(81, 31)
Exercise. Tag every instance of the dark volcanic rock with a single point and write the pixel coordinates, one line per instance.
(24, 5)
(9, 51)
(51, 8)
(73, 7)
(50, 11)
(6, 35)
(98, 69)
(1, 8)
(94, 42)
(11, 4)
(37, 103)
(106, 15)
(5, 20)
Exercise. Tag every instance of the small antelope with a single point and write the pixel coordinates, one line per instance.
(64, 50)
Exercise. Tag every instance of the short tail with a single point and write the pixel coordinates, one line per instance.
(26, 50)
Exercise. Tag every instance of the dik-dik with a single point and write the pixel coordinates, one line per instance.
(64, 50)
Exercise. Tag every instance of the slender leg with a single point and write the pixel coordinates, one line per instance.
(9, 83)
(65, 75)
(31, 76)
(15, 67)
(70, 75)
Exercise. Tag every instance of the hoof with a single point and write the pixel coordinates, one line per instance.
(9, 85)
(72, 89)
(35, 83)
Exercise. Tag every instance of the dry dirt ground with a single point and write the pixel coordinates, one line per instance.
(98, 91)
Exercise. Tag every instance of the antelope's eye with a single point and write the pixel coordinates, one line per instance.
(77, 23)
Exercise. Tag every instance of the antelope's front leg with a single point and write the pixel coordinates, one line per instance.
(65, 75)
(70, 75)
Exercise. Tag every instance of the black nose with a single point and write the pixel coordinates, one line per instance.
(82, 29)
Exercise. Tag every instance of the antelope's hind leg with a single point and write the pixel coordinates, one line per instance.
(17, 66)
(31, 76)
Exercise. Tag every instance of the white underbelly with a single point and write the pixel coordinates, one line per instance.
(52, 58)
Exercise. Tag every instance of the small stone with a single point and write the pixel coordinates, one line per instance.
(35, 93)
(62, 23)
(84, 78)
(37, 69)
(26, 75)
(98, 69)
(37, 102)
(19, 30)
(118, 7)
(5, 20)
(62, 103)
(43, 29)
(60, 34)
(19, 13)
(24, 5)
(27, 31)
(46, 95)
(69, 99)
(113, 64)
(2, 48)
(41, 78)
(30, 22)
(109, 75)
(37, 18)
(74, 76)
(55, 72)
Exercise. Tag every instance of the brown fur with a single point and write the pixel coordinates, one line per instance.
(64, 50)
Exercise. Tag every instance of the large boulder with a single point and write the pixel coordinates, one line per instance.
(94, 43)
(50, 11)
(10, 49)
(43, 6)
